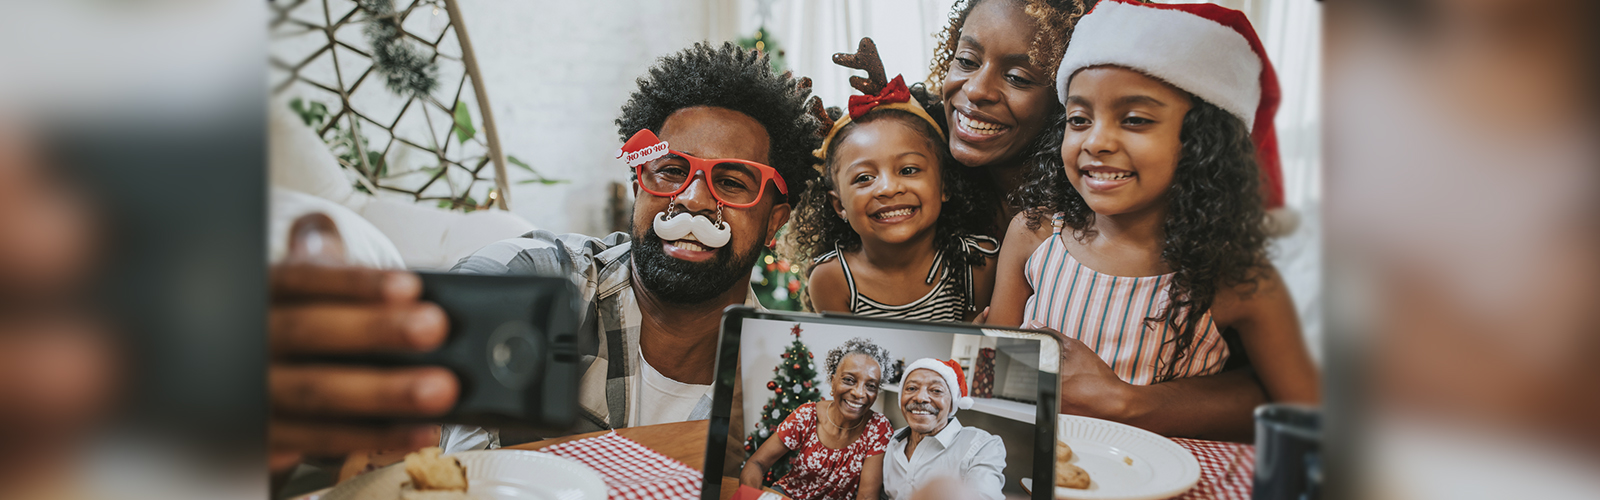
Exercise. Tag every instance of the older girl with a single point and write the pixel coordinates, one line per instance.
(1147, 238)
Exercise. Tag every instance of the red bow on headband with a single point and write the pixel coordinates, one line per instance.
(894, 92)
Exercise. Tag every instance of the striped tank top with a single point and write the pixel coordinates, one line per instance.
(945, 302)
(1107, 313)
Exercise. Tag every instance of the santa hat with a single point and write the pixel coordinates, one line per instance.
(1207, 50)
(953, 378)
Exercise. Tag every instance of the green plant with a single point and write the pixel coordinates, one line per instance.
(341, 141)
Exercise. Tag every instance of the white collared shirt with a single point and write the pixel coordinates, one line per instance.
(970, 453)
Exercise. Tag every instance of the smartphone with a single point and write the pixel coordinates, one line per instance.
(514, 345)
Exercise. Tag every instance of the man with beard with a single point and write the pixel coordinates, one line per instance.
(719, 147)
(701, 132)
(934, 444)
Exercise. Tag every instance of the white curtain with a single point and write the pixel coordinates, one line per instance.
(1291, 31)
(810, 32)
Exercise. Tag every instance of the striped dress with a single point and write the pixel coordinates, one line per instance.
(945, 302)
(1107, 313)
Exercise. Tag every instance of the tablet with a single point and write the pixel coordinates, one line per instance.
(1007, 434)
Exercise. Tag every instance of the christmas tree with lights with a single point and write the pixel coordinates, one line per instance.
(792, 385)
(776, 281)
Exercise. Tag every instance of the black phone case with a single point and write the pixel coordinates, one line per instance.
(514, 345)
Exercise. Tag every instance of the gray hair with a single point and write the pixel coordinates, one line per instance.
(859, 345)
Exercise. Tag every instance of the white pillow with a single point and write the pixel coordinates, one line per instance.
(297, 159)
(434, 239)
(364, 244)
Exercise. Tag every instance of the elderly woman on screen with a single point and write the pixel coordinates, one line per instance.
(934, 444)
(838, 443)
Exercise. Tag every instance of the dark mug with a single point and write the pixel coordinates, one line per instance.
(1288, 453)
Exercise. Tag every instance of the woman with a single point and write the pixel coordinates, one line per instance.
(995, 71)
(839, 443)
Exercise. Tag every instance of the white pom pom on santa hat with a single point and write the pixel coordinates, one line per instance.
(1207, 50)
(953, 378)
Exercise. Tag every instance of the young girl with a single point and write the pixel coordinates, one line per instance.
(1147, 239)
(888, 227)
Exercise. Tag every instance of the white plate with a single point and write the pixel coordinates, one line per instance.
(1160, 469)
(491, 475)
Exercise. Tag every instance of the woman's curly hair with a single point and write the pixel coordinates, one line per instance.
(817, 229)
(1215, 237)
(737, 79)
(858, 345)
(1056, 18)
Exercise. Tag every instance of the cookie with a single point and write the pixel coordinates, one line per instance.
(431, 472)
(1071, 476)
(1063, 452)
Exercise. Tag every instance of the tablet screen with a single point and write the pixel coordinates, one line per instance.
(944, 406)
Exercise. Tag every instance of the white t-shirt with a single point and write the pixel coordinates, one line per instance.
(663, 400)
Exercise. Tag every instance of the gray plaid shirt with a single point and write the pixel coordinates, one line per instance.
(601, 269)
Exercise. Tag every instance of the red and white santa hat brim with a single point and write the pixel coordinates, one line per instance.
(1190, 48)
(1207, 50)
(953, 378)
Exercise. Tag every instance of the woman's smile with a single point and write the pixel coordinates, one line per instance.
(972, 128)
(851, 409)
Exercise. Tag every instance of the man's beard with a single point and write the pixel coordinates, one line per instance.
(683, 282)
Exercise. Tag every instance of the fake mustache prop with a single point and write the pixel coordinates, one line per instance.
(706, 232)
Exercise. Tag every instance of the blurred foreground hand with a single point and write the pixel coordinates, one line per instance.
(56, 359)
(320, 307)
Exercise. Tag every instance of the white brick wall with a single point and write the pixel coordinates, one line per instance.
(557, 74)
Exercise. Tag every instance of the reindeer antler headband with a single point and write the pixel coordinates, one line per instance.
(878, 93)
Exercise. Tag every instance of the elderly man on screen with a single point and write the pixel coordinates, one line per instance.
(934, 444)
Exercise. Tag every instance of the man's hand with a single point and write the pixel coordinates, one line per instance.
(322, 308)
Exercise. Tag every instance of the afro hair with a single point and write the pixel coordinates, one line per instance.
(739, 80)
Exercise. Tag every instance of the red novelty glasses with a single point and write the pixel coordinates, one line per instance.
(667, 173)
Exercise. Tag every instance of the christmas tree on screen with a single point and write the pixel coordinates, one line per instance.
(792, 385)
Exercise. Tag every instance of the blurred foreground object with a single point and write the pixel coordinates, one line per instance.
(1462, 170)
(132, 346)
(56, 360)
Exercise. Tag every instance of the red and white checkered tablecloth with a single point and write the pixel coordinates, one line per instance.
(631, 470)
(1227, 470)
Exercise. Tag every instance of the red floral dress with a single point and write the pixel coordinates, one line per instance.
(819, 472)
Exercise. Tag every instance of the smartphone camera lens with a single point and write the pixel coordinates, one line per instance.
(514, 356)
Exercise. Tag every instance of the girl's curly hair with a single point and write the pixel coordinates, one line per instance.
(1215, 237)
(816, 228)
(858, 345)
(1056, 19)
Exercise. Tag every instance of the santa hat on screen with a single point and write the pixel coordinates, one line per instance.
(1207, 50)
(953, 378)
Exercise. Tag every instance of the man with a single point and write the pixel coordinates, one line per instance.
(657, 293)
(934, 444)
(660, 291)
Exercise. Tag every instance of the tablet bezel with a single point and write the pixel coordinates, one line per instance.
(728, 358)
